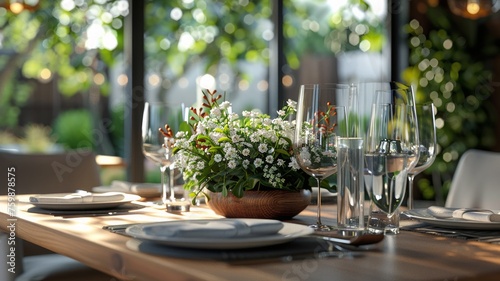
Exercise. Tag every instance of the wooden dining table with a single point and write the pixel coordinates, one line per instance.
(405, 256)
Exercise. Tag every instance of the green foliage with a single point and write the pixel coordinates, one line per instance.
(57, 41)
(37, 138)
(117, 128)
(73, 129)
(313, 27)
(209, 32)
(447, 70)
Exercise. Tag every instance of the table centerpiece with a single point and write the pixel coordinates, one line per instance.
(243, 165)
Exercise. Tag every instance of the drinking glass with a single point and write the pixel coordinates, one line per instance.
(318, 124)
(365, 95)
(427, 144)
(157, 146)
(391, 151)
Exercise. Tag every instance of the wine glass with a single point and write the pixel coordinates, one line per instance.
(158, 125)
(391, 151)
(427, 144)
(318, 124)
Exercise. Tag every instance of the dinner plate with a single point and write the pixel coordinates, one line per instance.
(423, 216)
(289, 232)
(86, 205)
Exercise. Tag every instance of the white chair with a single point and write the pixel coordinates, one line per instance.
(50, 173)
(476, 182)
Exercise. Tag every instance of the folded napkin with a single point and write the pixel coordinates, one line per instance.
(141, 189)
(75, 198)
(224, 228)
(464, 213)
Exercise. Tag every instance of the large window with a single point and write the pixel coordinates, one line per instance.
(63, 63)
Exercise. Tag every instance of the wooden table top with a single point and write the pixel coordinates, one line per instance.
(406, 256)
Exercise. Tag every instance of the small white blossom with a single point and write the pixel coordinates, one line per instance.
(257, 162)
(215, 111)
(217, 158)
(200, 165)
(262, 148)
(225, 105)
(245, 152)
(231, 164)
(294, 164)
(269, 159)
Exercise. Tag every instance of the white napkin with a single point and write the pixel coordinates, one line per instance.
(75, 198)
(464, 213)
(224, 228)
(141, 189)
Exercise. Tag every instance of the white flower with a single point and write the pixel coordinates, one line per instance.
(262, 148)
(225, 105)
(245, 163)
(231, 164)
(294, 164)
(245, 152)
(215, 111)
(257, 162)
(200, 165)
(292, 104)
(269, 159)
(281, 113)
(217, 158)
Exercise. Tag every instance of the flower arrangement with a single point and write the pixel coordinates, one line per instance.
(223, 152)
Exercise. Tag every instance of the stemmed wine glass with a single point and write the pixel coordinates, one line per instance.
(157, 143)
(318, 124)
(391, 151)
(427, 144)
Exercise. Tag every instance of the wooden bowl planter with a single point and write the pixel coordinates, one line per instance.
(268, 204)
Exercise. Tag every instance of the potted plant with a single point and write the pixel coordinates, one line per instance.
(241, 161)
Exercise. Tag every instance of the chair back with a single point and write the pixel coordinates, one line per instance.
(476, 182)
(49, 173)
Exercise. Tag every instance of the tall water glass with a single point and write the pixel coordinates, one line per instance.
(350, 183)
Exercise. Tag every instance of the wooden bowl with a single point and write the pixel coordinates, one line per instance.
(269, 204)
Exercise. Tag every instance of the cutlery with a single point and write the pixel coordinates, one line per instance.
(354, 238)
(472, 235)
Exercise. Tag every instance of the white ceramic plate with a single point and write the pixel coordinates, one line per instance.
(289, 232)
(87, 205)
(423, 216)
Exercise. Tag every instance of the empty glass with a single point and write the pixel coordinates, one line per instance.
(318, 124)
(427, 144)
(157, 146)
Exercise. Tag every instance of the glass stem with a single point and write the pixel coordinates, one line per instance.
(409, 203)
(172, 184)
(164, 183)
(318, 213)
